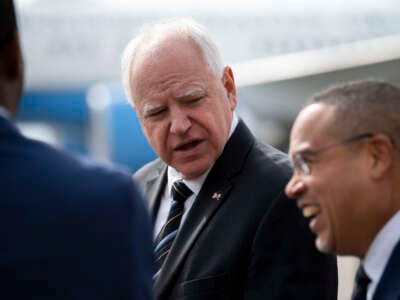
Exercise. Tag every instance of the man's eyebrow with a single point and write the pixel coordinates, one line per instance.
(148, 107)
(304, 152)
(191, 93)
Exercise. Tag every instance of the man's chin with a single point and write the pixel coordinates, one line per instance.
(190, 173)
(192, 169)
(323, 246)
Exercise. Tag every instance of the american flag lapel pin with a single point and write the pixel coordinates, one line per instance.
(217, 196)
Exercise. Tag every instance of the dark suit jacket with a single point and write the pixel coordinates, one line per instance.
(68, 229)
(252, 242)
(389, 285)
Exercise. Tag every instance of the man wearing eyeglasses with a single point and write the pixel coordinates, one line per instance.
(346, 179)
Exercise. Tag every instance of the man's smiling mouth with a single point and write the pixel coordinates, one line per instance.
(311, 211)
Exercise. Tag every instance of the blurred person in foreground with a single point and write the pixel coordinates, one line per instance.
(223, 226)
(69, 230)
(344, 148)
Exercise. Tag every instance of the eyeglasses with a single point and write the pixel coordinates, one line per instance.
(301, 166)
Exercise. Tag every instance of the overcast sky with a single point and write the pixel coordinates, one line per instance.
(226, 6)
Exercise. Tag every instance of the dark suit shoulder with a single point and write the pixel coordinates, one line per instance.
(274, 159)
(70, 224)
(148, 172)
(388, 287)
(266, 169)
(35, 164)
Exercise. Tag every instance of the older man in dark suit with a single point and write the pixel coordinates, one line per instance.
(347, 179)
(226, 229)
(69, 230)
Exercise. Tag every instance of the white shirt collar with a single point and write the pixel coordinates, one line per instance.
(235, 122)
(193, 184)
(380, 250)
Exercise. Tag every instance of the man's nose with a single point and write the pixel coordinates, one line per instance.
(295, 188)
(180, 123)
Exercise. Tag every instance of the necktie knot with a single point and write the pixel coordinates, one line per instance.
(362, 278)
(361, 284)
(180, 192)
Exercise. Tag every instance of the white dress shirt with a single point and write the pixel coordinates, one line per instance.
(379, 252)
(194, 184)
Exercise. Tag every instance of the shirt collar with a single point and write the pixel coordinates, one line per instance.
(234, 123)
(381, 248)
(196, 183)
(193, 184)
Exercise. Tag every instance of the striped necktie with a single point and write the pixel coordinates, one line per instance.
(360, 285)
(180, 192)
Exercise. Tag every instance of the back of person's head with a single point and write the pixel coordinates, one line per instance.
(365, 106)
(8, 22)
(11, 65)
(176, 27)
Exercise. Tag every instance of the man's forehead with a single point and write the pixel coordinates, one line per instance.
(315, 117)
(312, 127)
(177, 93)
(158, 70)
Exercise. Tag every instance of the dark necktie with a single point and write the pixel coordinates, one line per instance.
(180, 192)
(360, 285)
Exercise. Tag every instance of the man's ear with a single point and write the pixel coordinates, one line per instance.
(229, 83)
(381, 152)
(11, 63)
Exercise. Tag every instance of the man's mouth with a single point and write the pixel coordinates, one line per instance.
(188, 146)
(310, 211)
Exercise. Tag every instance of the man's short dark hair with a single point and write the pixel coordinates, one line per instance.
(8, 21)
(364, 106)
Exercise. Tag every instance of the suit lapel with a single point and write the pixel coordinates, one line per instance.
(389, 284)
(199, 215)
(212, 195)
(154, 187)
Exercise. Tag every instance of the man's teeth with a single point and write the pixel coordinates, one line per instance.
(310, 211)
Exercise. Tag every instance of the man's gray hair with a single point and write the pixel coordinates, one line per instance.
(184, 27)
(365, 106)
